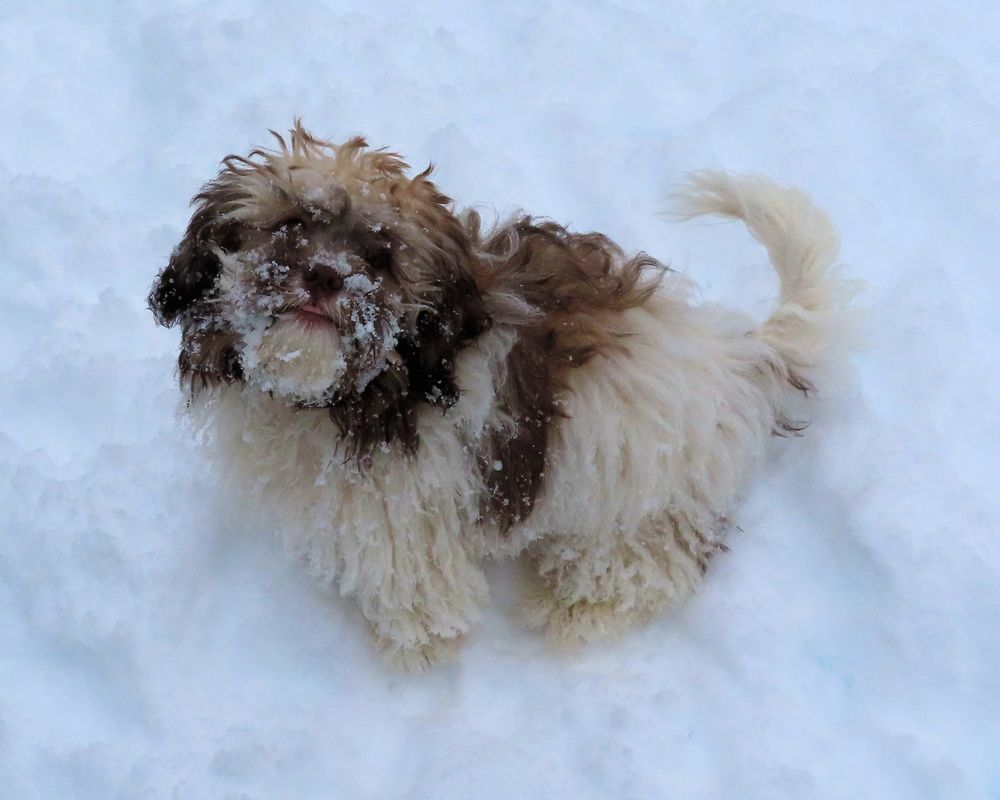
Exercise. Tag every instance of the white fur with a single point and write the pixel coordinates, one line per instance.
(295, 361)
(658, 444)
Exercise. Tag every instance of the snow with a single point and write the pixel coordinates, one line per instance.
(156, 643)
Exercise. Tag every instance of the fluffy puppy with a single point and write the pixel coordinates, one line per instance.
(411, 394)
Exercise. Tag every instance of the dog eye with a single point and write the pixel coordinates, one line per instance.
(288, 225)
(229, 240)
(379, 257)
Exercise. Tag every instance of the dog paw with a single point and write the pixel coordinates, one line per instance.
(418, 657)
(570, 624)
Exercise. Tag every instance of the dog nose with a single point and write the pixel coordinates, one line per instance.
(323, 280)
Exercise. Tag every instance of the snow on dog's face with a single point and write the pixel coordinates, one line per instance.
(322, 275)
(316, 310)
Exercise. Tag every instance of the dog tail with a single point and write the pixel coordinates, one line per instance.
(811, 327)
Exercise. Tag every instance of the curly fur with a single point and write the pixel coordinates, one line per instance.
(454, 394)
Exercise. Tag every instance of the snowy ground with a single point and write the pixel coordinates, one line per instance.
(155, 643)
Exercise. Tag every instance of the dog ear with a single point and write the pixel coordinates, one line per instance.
(209, 357)
(193, 269)
(190, 275)
(429, 352)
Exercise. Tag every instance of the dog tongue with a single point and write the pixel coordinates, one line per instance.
(314, 310)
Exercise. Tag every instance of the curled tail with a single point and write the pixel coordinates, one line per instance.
(811, 326)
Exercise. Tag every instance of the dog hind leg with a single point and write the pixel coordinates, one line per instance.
(591, 589)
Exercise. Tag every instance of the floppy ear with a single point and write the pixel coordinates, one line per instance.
(429, 352)
(190, 276)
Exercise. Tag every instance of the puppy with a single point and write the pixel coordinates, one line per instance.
(409, 393)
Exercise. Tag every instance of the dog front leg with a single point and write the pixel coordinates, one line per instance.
(416, 586)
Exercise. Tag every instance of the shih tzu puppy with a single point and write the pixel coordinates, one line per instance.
(410, 394)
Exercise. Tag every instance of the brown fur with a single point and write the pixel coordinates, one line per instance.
(577, 286)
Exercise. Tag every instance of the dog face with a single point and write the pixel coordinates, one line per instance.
(324, 276)
(312, 306)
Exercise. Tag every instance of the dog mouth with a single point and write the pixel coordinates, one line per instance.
(310, 350)
(312, 315)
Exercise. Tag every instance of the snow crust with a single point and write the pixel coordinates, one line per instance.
(154, 640)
